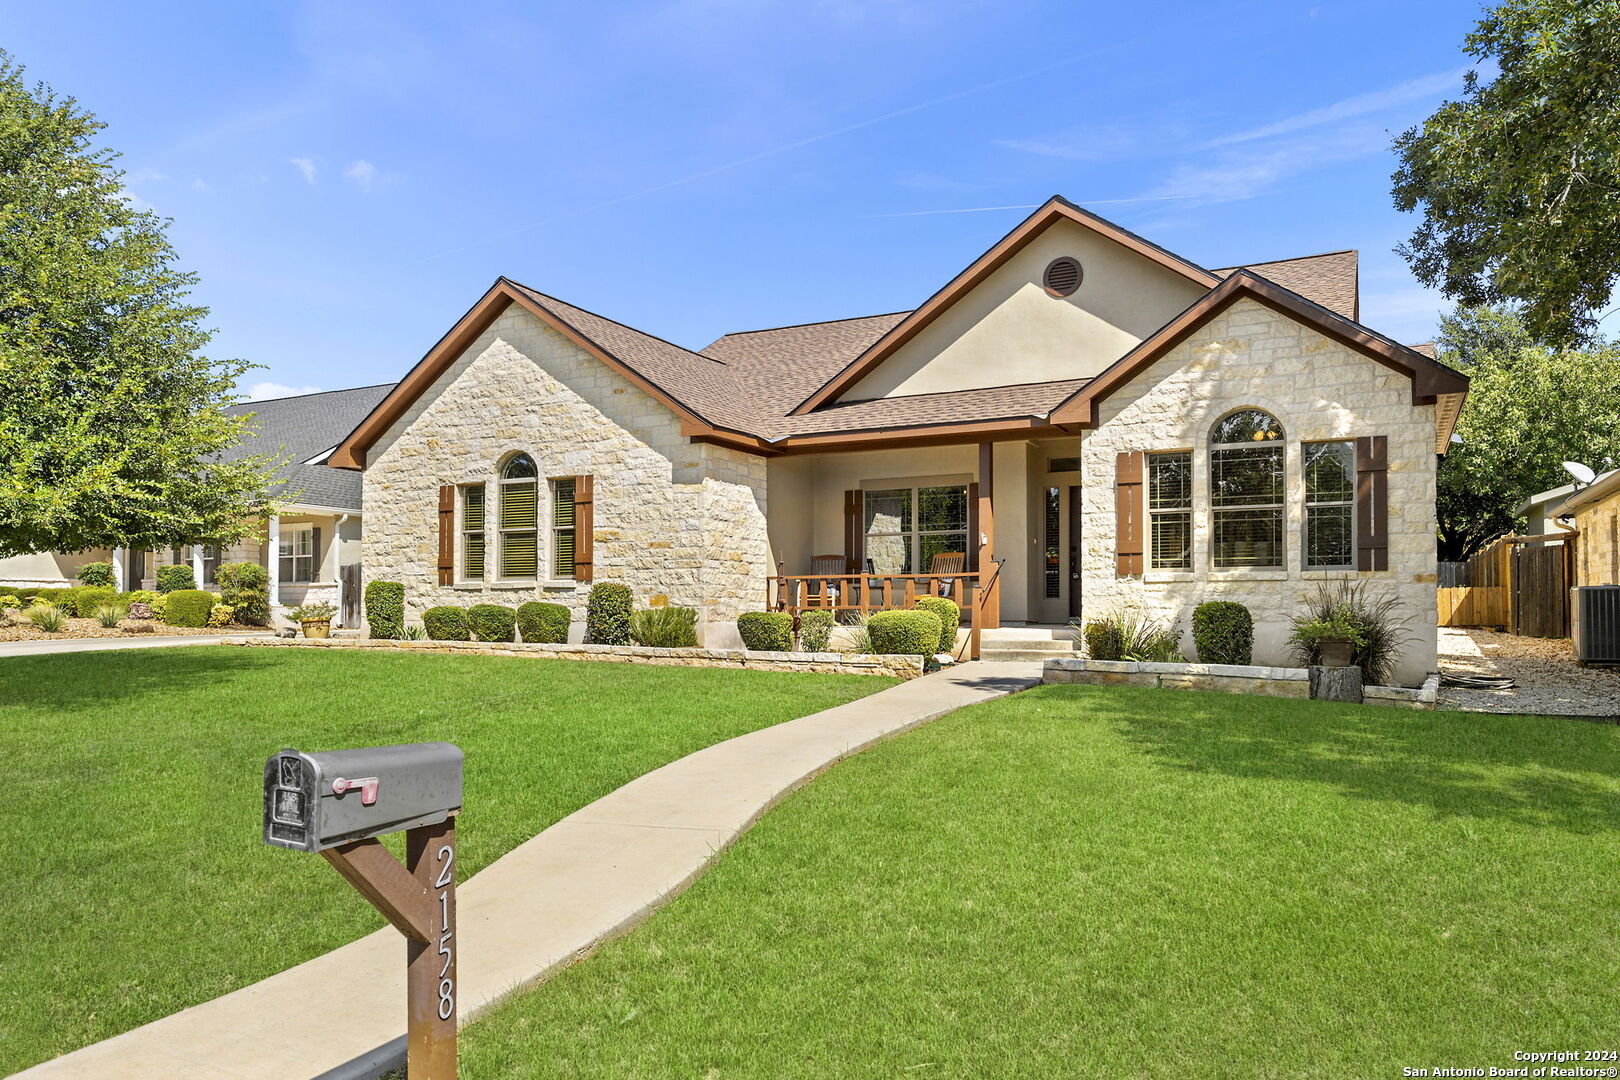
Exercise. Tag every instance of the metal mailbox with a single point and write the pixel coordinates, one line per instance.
(313, 802)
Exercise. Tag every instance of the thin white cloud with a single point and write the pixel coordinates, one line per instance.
(1247, 173)
(306, 166)
(1032, 206)
(1360, 105)
(135, 200)
(362, 174)
(262, 391)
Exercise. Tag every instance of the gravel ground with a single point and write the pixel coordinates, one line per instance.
(20, 629)
(1549, 679)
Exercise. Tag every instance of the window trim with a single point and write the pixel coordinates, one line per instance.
(1280, 506)
(1184, 510)
(464, 534)
(286, 537)
(502, 483)
(914, 534)
(553, 530)
(1306, 505)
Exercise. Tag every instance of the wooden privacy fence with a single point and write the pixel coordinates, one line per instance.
(1519, 584)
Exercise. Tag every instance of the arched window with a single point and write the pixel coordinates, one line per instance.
(1246, 490)
(520, 522)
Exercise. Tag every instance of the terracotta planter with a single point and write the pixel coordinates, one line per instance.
(1335, 652)
(317, 627)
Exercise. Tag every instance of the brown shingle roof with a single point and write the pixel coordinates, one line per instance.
(1329, 279)
(915, 410)
(782, 366)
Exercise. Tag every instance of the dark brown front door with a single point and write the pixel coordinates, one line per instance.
(1072, 563)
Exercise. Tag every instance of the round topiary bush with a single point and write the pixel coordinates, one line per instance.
(173, 578)
(188, 607)
(545, 624)
(950, 617)
(447, 623)
(245, 588)
(1103, 640)
(85, 601)
(607, 614)
(766, 631)
(385, 609)
(1223, 632)
(492, 622)
(905, 633)
(815, 630)
(98, 575)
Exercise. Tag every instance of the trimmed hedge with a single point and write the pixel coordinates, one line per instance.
(950, 617)
(607, 614)
(1223, 632)
(98, 575)
(84, 602)
(245, 588)
(174, 578)
(385, 609)
(815, 630)
(1103, 640)
(665, 627)
(447, 623)
(545, 624)
(188, 607)
(492, 622)
(766, 631)
(905, 633)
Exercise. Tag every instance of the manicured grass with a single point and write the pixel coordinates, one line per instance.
(138, 882)
(1084, 882)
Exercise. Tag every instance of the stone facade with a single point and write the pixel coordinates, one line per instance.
(674, 519)
(1250, 355)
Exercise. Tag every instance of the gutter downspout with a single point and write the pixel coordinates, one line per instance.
(337, 543)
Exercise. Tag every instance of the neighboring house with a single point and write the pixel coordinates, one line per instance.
(1536, 510)
(1594, 510)
(316, 533)
(1108, 422)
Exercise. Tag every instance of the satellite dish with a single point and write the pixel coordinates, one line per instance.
(1581, 473)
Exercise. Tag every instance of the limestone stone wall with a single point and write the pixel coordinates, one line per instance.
(1318, 389)
(675, 520)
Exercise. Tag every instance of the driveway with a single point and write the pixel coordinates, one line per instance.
(1548, 677)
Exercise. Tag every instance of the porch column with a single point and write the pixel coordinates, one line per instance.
(272, 558)
(197, 564)
(989, 606)
(118, 566)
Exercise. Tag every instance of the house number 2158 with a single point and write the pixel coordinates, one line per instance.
(447, 984)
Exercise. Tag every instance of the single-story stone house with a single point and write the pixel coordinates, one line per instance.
(1079, 421)
(307, 546)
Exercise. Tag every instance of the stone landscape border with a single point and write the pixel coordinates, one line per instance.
(896, 667)
(1224, 678)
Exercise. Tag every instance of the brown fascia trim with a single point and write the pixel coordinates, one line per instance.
(1430, 380)
(351, 452)
(1056, 208)
(1024, 427)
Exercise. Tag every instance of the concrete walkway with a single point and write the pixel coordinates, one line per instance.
(591, 876)
(75, 645)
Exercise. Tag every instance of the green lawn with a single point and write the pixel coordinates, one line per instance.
(138, 883)
(1128, 883)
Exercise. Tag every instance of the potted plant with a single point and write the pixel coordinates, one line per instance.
(1333, 641)
(316, 619)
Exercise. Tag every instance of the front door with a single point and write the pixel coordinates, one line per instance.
(1057, 588)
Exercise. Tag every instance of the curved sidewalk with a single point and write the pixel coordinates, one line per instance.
(592, 875)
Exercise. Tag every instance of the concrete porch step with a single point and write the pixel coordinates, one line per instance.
(1051, 645)
(1008, 654)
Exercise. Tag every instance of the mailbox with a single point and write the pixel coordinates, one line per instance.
(317, 801)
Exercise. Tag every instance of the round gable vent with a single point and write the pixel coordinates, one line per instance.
(1062, 276)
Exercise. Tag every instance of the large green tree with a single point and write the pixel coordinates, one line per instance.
(111, 420)
(1519, 182)
(1529, 409)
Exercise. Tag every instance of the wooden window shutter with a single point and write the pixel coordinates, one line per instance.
(853, 555)
(584, 528)
(1372, 502)
(1128, 546)
(315, 559)
(973, 526)
(447, 534)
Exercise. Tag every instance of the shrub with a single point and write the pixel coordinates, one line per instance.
(447, 623)
(9, 601)
(160, 606)
(1375, 630)
(1223, 632)
(545, 624)
(188, 607)
(492, 622)
(815, 630)
(85, 601)
(413, 632)
(766, 631)
(246, 588)
(385, 608)
(858, 641)
(665, 627)
(97, 574)
(607, 614)
(905, 633)
(47, 617)
(950, 617)
(1102, 640)
(110, 615)
(175, 578)
(319, 612)
(220, 615)
(140, 596)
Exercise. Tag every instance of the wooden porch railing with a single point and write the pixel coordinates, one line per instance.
(976, 592)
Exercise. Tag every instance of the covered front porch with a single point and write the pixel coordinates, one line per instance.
(994, 526)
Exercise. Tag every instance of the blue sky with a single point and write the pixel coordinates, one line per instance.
(349, 177)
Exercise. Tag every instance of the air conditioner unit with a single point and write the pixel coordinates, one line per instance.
(1596, 624)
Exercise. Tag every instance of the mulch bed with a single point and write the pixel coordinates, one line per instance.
(19, 629)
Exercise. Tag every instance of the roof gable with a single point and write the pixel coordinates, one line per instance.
(1331, 279)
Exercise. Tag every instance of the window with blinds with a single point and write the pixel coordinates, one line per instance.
(562, 527)
(1330, 497)
(520, 519)
(1246, 490)
(1170, 510)
(472, 531)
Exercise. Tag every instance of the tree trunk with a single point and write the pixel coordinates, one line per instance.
(1336, 683)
